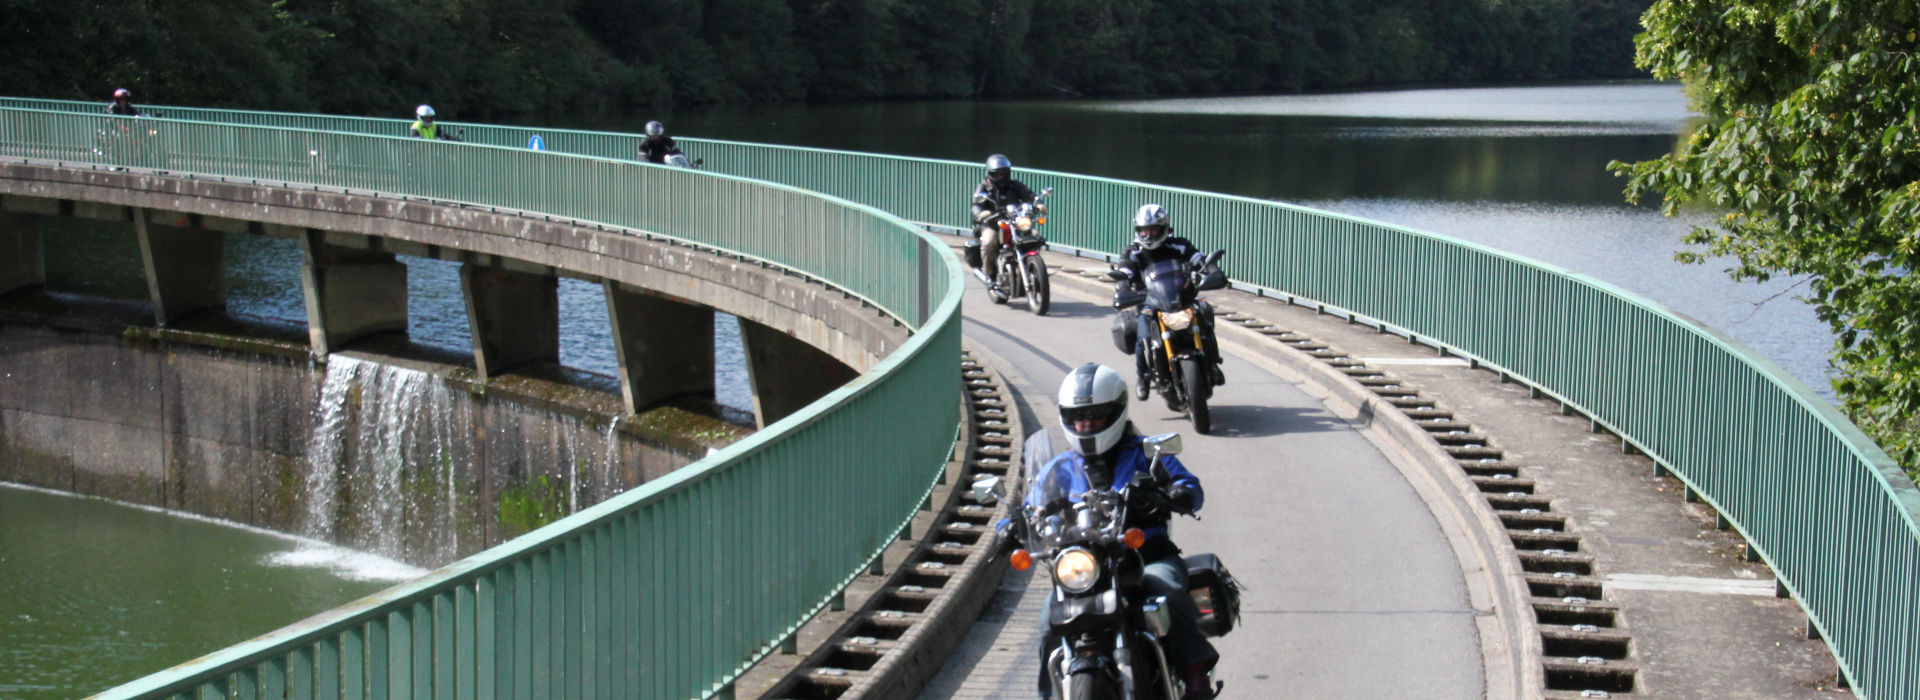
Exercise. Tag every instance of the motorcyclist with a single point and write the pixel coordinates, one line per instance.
(1104, 450)
(122, 104)
(1153, 241)
(657, 145)
(997, 190)
(424, 127)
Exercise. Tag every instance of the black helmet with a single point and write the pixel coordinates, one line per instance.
(656, 129)
(999, 167)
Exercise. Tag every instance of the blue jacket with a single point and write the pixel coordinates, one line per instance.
(1068, 471)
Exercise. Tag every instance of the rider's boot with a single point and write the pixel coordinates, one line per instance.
(1219, 377)
(1199, 684)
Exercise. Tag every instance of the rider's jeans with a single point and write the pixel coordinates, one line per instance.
(989, 248)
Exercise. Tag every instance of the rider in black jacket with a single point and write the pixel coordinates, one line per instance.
(657, 145)
(1153, 241)
(122, 104)
(997, 190)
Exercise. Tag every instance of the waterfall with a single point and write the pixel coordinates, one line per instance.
(387, 440)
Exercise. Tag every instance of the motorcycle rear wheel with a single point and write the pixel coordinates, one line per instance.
(1038, 292)
(1197, 381)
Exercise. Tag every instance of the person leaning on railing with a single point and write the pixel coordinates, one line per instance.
(425, 128)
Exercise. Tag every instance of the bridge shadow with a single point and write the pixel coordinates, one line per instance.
(1267, 421)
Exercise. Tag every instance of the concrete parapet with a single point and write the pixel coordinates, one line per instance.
(665, 347)
(514, 317)
(186, 268)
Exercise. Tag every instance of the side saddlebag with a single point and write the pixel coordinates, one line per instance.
(1214, 592)
(1126, 330)
(972, 252)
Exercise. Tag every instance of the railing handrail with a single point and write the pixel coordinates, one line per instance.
(888, 431)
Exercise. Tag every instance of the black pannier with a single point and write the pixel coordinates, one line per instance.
(1214, 592)
(1126, 330)
(972, 253)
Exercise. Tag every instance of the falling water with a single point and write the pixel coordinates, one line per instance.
(385, 439)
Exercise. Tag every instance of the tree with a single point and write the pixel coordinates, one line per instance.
(1811, 147)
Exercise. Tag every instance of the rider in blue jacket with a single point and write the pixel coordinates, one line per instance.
(1106, 450)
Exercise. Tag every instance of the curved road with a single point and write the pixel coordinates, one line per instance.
(1353, 592)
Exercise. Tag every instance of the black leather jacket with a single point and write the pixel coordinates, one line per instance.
(1137, 259)
(655, 150)
(123, 109)
(990, 201)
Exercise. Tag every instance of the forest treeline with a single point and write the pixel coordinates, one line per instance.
(500, 59)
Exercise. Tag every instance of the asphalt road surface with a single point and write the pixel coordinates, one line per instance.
(1352, 590)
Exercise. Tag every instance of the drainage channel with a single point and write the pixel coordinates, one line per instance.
(902, 633)
(1586, 652)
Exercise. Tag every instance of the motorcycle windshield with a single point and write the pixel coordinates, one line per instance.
(1166, 285)
(1063, 509)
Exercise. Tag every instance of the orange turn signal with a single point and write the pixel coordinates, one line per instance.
(1021, 559)
(1133, 538)
(1041, 221)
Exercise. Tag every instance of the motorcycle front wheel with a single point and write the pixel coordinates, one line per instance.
(1092, 684)
(1038, 292)
(1195, 378)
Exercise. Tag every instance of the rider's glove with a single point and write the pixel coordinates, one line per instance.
(1182, 498)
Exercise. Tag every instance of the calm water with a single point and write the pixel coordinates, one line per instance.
(93, 594)
(1519, 169)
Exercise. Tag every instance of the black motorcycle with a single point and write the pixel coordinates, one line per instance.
(1019, 271)
(1110, 633)
(1173, 358)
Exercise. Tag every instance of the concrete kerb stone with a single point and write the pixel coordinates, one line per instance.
(1509, 635)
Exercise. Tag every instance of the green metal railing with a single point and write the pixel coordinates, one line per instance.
(669, 590)
(1832, 515)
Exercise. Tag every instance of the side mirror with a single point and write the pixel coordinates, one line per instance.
(1162, 445)
(1044, 191)
(1214, 257)
(986, 490)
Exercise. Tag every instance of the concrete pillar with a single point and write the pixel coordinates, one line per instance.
(665, 347)
(351, 293)
(514, 317)
(23, 260)
(186, 268)
(786, 374)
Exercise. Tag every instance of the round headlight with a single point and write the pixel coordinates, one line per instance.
(1076, 570)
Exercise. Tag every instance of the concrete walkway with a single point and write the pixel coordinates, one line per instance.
(1364, 582)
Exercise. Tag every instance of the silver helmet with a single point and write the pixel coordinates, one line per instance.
(656, 129)
(1150, 226)
(423, 112)
(1093, 408)
(999, 167)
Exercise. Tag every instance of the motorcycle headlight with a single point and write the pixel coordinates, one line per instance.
(1177, 321)
(1023, 223)
(1076, 570)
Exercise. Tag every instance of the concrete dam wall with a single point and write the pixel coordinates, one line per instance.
(411, 460)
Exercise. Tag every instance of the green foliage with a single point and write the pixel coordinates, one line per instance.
(517, 59)
(531, 506)
(1811, 148)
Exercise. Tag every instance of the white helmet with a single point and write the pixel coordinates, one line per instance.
(423, 112)
(1093, 408)
(656, 128)
(1151, 215)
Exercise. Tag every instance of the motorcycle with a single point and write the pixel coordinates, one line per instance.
(1173, 358)
(129, 140)
(1021, 272)
(1110, 634)
(677, 159)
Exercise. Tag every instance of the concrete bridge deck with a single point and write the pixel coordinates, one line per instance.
(1364, 560)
